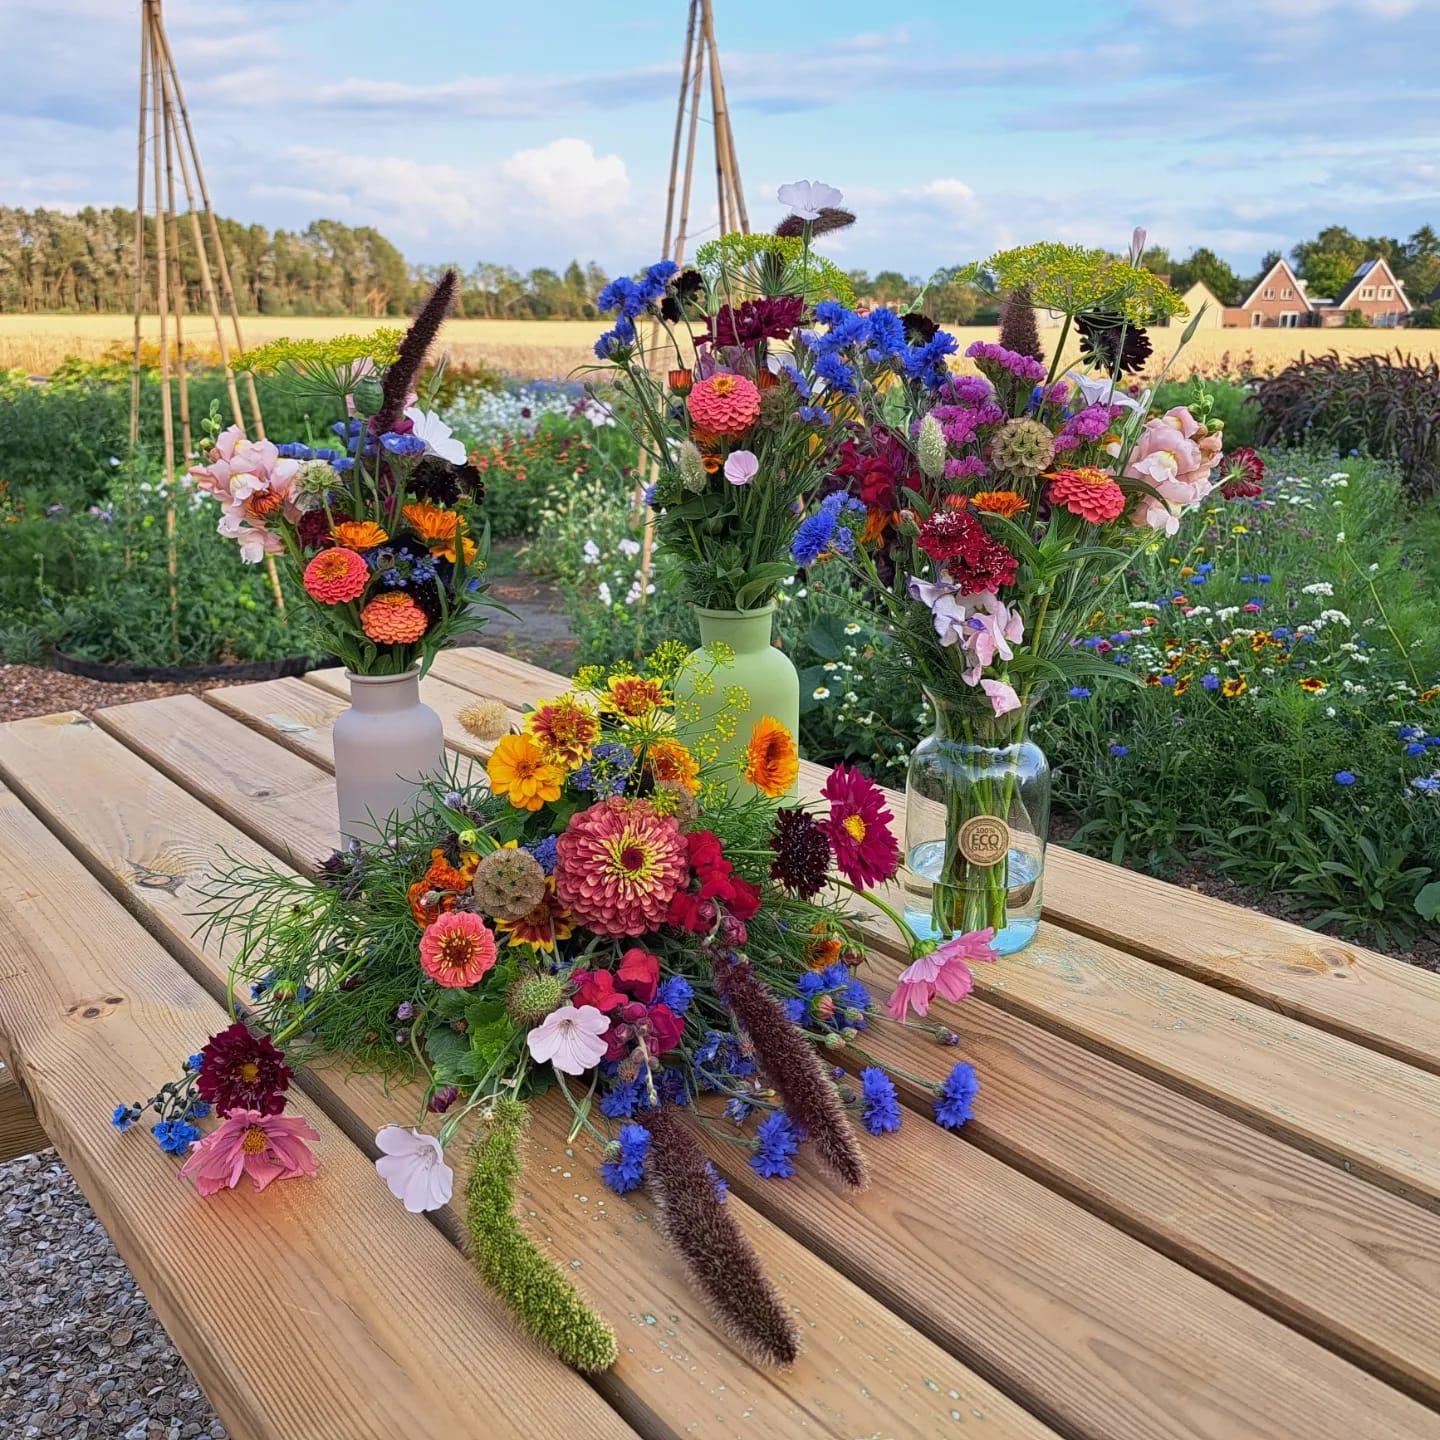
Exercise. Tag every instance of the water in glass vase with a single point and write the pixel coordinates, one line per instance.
(977, 807)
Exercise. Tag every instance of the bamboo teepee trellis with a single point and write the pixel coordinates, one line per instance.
(167, 141)
(701, 54)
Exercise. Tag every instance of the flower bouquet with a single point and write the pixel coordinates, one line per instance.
(986, 516)
(709, 376)
(605, 919)
(383, 535)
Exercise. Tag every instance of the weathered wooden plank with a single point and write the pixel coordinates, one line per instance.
(864, 1370)
(293, 714)
(1044, 1346)
(493, 673)
(279, 1307)
(20, 1132)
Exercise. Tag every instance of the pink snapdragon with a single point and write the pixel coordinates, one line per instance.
(945, 971)
(254, 486)
(264, 1147)
(1175, 455)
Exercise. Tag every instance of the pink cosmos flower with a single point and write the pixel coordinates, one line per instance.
(570, 1038)
(254, 487)
(264, 1147)
(945, 971)
(413, 1165)
(741, 467)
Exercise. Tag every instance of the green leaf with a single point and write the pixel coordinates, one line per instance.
(1427, 902)
(758, 579)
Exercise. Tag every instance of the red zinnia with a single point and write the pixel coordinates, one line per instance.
(974, 561)
(241, 1071)
(858, 826)
(1247, 474)
(1089, 492)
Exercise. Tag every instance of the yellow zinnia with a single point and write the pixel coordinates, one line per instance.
(520, 771)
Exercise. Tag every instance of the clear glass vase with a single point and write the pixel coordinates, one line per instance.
(977, 808)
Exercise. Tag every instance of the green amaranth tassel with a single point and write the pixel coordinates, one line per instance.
(538, 1293)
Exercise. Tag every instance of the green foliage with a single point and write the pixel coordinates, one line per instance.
(1225, 400)
(537, 1291)
(1380, 405)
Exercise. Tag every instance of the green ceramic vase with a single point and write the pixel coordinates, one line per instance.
(766, 674)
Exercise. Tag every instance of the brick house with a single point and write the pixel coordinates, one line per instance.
(1279, 299)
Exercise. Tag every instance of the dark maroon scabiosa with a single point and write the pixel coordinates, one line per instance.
(401, 376)
(831, 217)
(241, 1071)
(755, 320)
(919, 329)
(435, 480)
(1247, 475)
(1108, 340)
(313, 528)
(722, 1265)
(802, 853)
(786, 1057)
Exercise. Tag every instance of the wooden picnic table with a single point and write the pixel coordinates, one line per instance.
(1198, 1199)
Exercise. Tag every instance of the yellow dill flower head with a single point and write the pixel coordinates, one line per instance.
(1072, 278)
(379, 346)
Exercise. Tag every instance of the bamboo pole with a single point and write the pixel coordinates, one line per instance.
(176, 275)
(716, 115)
(679, 126)
(139, 236)
(167, 413)
(696, 85)
(724, 134)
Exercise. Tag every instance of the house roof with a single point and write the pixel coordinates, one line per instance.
(1361, 271)
(1265, 280)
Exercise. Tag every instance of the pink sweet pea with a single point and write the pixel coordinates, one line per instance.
(264, 1147)
(1003, 698)
(741, 467)
(989, 629)
(944, 971)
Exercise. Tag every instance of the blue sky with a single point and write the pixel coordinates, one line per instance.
(530, 133)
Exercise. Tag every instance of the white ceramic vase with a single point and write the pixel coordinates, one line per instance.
(385, 743)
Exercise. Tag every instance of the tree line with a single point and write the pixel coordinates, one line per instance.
(83, 262)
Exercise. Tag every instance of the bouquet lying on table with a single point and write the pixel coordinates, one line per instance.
(613, 916)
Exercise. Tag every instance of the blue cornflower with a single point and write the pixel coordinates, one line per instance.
(854, 997)
(194, 1062)
(1167, 680)
(403, 444)
(1199, 579)
(1091, 642)
(887, 334)
(673, 1088)
(834, 371)
(620, 294)
(123, 1118)
(1345, 777)
(544, 852)
(812, 983)
(784, 365)
(677, 993)
(262, 985)
(738, 1109)
(1415, 747)
(775, 1144)
(814, 414)
(175, 1137)
(1211, 682)
(926, 362)
(722, 1186)
(626, 1169)
(956, 1095)
(796, 1010)
(1426, 784)
(294, 450)
(604, 774)
(1409, 732)
(622, 1100)
(882, 1110)
(1247, 579)
(1263, 579)
(1119, 751)
(1079, 692)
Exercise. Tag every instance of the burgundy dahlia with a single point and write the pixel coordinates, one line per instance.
(802, 853)
(241, 1071)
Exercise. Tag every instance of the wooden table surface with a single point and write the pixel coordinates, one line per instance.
(1198, 1200)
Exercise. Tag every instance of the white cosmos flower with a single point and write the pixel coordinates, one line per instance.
(807, 198)
(436, 435)
(413, 1165)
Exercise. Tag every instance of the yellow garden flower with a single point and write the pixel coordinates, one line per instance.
(1236, 685)
(1312, 685)
(520, 771)
(440, 529)
(358, 534)
(566, 729)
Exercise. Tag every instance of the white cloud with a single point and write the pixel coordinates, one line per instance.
(567, 181)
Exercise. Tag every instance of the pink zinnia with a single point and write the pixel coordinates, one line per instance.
(336, 575)
(944, 971)
(858, 826)
(264, 1147)
(724, 404)
(618, 865)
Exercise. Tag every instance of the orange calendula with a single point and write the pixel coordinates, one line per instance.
(1004, 503)
(520, 771)
(358, 534)
(440, 529)
(772, 763)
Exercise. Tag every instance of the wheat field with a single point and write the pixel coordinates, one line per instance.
(554, 348)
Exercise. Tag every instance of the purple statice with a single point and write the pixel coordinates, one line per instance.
(968, 467)
(1086, 426)
(604, 774)
(881, 1114)
(625, 1170)
(987, 354)
(544, 852)
(961, 424)
(955, 1096)
(970, 390)
(776, 1142)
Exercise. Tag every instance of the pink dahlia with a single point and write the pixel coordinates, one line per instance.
(724, 404)
(866, 852)
(264, 1147)
(1089, 492)
(618, 865)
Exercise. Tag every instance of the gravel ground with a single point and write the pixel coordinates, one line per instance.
(82, 1355)
(33, 690)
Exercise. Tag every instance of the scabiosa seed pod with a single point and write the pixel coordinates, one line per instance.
(793, 1068)
(721, 1263)
(509, 884)
(930, 448)
(1022, 447)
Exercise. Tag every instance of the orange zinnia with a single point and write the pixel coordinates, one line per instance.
(1004, 503)
(358, 534)
(670, 760)
(772, 763)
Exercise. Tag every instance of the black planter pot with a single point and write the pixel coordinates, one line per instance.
(182, 674)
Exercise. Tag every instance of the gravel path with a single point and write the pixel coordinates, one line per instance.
(82, 1355)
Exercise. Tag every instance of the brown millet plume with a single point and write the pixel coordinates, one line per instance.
(792, 1066)
(830, 218)
(721, 1263)
(401, 376)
